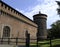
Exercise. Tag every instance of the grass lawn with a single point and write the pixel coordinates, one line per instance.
(55, 43)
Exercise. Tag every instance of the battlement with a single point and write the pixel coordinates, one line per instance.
(9, 10)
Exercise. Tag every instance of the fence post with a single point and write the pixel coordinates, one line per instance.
(8, 40)
(27, 39)
(16, 40)
(2, 41)
(37, 41)
(50, 39)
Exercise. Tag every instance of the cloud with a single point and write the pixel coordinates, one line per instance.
(47, 7)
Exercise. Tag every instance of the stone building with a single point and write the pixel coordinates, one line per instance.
(14, 24)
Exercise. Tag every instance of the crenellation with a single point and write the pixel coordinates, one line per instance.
(20, 17)
(1, 5)
(8, 8)
(14, 13)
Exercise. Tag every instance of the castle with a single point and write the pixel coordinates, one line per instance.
(14, 24)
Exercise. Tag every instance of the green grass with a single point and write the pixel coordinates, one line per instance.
(46, 43)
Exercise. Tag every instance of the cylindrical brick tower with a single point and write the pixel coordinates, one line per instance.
(40, 20)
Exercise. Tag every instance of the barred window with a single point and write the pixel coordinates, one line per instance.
(6, 31)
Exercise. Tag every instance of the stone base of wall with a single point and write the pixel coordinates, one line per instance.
(11, 46)
(7, 45)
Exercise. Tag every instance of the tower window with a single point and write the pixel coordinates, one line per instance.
(6, 31)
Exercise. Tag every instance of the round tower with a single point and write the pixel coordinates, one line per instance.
(40, 20)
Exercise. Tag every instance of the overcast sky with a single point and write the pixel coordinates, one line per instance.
(32, 7)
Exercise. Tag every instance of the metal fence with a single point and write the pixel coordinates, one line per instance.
(12, 40)
(17, 41)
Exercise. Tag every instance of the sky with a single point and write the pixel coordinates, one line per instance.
(32, 7)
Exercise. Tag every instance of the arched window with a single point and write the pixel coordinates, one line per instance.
(6, 31)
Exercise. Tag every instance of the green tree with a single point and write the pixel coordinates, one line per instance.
(55, 30)
(58, 9)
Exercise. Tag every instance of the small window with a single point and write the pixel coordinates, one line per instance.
(6, 31)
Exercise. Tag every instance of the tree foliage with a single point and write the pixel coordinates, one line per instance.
(58, 9)
(55, 30)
